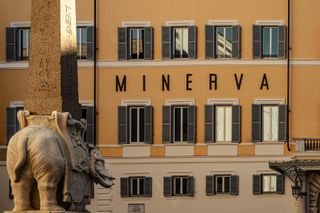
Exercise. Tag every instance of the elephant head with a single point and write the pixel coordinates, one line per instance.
(98, 170)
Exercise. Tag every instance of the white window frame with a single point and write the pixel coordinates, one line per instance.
(138, 124)
(270, 42)
(224, 122)
(224, 42)
(223, 184)
(139, 191)
(182, 107)
(270, 123)
(20, 29)
(181, 43)
(138, 29)
(174, 178)
(270, 183)
(80, 42)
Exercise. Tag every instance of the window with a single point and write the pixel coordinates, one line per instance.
(135, 43)
(136, 186)
(135, 124)
(268, 184)
(179, 42)
(136, 117)
(222, 184)
(269, 41)
(222, 41)
(88, 114)
(12, 123)
(269, 122)
(178, 186)
(82, 42)
(222, 123)
(23, 44)
(178, 124)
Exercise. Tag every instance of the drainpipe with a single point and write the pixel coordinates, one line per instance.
(288, 77)
(95, 71)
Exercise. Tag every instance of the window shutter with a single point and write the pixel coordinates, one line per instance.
(148, 43)
(236, 41)
(123, 42)
(191, 124)
(90, 42)
(148, 128)
(282, 123)
(280, 184)
(166, 43)
(256, 126)
(167, 186)
(11, 44)
(122, 125)
(148, 186)
(210, 41)
(192, 43)
(12, 123)
(282, 35)
(209, 185)
(166, 124)
(234, 185)
(256, 41)
(190, 187)
(209, 124)
(90, 125)
(236, 123)
(124, 184)
(257, 184)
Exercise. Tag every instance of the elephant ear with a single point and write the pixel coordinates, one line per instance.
(21, 115)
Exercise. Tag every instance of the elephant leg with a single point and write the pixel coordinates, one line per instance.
(22, 191)
(48, 196)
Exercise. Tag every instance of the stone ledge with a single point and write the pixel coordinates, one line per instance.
(39, 211)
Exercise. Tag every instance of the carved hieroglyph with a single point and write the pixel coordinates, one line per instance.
(52, 78)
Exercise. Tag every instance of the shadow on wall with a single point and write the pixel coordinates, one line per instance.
(5, 203)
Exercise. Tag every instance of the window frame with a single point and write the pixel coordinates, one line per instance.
(140, 192)
(217, 56)
(182, 108)
(138, 29)
(224, 106)
(139, 108)
(270, 28)
(183, 191)
(270, 124)
(173, 38)
(20, 43)
(81, 56)
(275, 184)
(223, 184)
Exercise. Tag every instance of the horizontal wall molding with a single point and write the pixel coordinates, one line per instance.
(173, 63)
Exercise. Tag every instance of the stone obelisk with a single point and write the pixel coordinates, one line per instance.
(53, 77)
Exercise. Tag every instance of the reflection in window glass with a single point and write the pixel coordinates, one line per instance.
(269, 183)
(136, 43)
(223, 42)
(270, 42)
(270, 123)
(223, 123)
(223, 184)
(136, 186)
(180, 185)
(180, 123)
(82, 42)
(24, 43)
(180, 39)
(136, 124)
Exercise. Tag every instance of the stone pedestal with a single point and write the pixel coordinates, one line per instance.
(38, 211)
(53, 78)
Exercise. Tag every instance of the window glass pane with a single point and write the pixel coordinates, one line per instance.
(266, 42)
(24, 42)
(228, 43)
(141, 124)
(178, 42)
(177, 124)
(141, 186)
(134, 120)
(134, 43)
(266, 123)
(84, 41)
(266, 183)
(274, 124)
(184, 185)
(220, 40)
(228, 124)
(141, 39)
(185, 43)
(273, 183)
(78, 41)
(219, 124)
(185, 124)
(134, 186)
(274, 44)
(227, 184)
(219, 184)
(178, 185)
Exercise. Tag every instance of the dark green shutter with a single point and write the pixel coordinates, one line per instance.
(256, 125)
(280, 184)
(123, 43)
(256, 184)
(191, 124)
(122, 125)
(167, 186)
(236, 123)
(236, 41)
(148, 127)
(190, 185)
(282, 132)
(282, 34)
(192, 42)
(166, 124)
(11, 44)
(210, 41)
(166, 43)
(12, 123)
(148, 43)
(256, 41)
(90, 125)
(209, 185)
(90, 42)
(234, 185)
(209, 124)
(124, 187)
(148, 186)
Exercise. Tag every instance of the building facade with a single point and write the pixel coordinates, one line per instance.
(194, 100)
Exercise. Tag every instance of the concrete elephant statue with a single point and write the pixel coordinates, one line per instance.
(36, 165)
